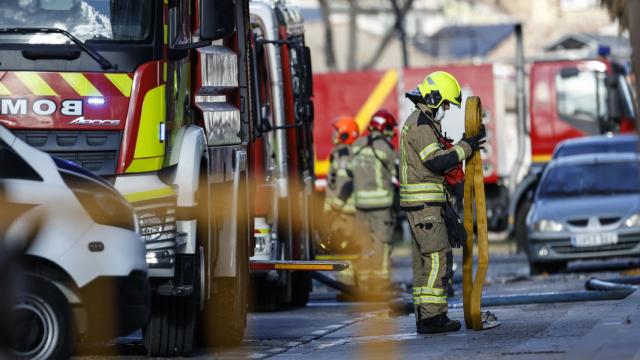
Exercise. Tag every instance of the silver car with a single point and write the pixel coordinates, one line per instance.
(586, 206)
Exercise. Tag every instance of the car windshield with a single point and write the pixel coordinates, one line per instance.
(612, 147)
(88, 20)
(591, 179)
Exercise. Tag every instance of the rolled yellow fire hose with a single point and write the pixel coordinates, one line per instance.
(474, 195)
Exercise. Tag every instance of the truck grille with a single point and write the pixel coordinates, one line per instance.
(158, 231)
(96, 151)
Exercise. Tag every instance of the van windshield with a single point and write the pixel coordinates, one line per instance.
(605, 178)
(88, 20)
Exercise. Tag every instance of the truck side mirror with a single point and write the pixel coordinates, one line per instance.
(217, 19)
(569, 72)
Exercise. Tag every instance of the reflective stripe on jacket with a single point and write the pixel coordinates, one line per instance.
(373, 166)
(420, 154)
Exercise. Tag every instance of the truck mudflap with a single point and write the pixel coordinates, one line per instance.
(264, 265)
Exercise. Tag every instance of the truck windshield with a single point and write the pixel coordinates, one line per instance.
(88, 20)
(606, 178)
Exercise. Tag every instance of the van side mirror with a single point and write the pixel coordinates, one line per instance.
(217, 19)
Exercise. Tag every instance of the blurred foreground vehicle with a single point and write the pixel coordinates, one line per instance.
(586, 206)
(84, 278)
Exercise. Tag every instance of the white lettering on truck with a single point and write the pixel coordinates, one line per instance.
(40, 107)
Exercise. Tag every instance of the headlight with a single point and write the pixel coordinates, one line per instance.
(633, 221)
(548, 226)
(104, 205)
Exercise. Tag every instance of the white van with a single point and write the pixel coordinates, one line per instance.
(84, 278)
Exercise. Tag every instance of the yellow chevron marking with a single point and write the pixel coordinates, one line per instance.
(122, 81)
(34, 82)
(321, 167)
(377, 98)
(149, 194)
(80, 84)
(541, 158)
(4, 90)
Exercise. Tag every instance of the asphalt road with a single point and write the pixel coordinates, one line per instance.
(328, 329)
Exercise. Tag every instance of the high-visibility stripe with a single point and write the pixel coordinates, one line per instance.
(422, 187)
(149, 194)
(321, 167)
(542, 158)
(435, 268)
(428, 150)
(368, 151)
(35, 84)
(153, 113)
(403, 155)
(121, 81)
(80, 84)
(165, 28)
(425, 299)
(423, 290)
(377, 97)
(460, 152)
(145, 164)
(423, 198)
(4, 90)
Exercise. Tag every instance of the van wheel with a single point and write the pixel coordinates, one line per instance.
(42, 322)
(171, 327)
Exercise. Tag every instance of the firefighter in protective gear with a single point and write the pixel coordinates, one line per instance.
(338, 206)
(424, 163)
(374, 168)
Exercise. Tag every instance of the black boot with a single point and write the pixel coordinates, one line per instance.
(437, 324)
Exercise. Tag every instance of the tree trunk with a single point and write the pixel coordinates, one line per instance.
(389, 35)
(329, 54)
(352, 51)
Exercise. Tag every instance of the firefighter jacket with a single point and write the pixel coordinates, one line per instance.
(339, 181)
(373, 166)
(424, 161)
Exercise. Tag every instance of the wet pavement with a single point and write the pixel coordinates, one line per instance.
(328, 329)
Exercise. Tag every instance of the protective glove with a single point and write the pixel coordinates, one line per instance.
(476, 141)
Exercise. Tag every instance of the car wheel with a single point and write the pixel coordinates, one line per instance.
(42, 322)
(520, 229)
(547, 268)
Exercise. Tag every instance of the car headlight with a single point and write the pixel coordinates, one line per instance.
(633, 221)
(104, 205)
(548, 226)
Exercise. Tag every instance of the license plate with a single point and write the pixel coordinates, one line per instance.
(598, 239)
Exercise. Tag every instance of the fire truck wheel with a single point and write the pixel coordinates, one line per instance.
(171, 327)
(301, 288)
(520, 227)
(43, 327)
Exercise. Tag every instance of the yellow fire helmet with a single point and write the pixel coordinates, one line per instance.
(440, 86)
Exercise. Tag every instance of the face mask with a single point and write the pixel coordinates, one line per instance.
(439, 115)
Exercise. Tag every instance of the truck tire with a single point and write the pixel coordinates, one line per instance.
(520, 226)
(43, 325)
(301, 282)
(171, 328)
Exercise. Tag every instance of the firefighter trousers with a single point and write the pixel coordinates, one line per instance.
(374, 230)
(432, 261)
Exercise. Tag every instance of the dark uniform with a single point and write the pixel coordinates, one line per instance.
(423, 164)
(373, 167)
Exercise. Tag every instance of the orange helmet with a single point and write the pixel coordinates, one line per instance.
(347, 130)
